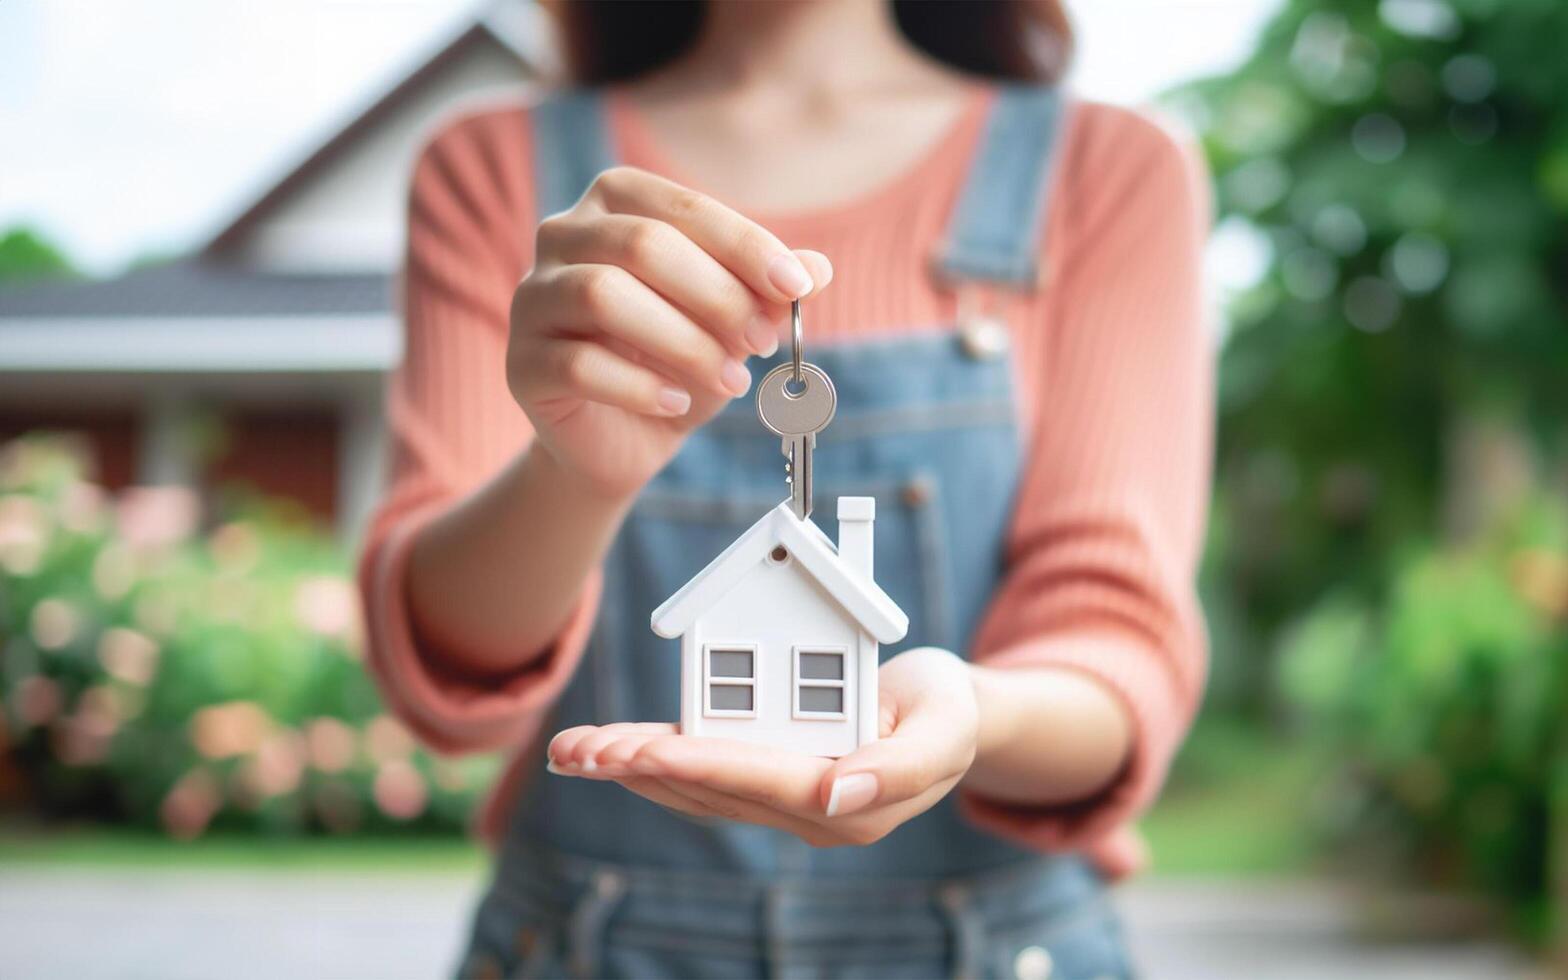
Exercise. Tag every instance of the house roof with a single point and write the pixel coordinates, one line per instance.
(862, 599)
(513, 24)
(202, 318)
(200, 289)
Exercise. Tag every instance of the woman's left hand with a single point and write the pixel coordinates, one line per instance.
(927, 735)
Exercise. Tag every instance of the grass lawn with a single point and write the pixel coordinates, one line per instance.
(98, 846)
(1236, 804)
(1234, 807)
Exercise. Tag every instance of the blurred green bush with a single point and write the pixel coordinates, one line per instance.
(1446, 710)
(1392, 180)
(193, 679)
(1387, 541)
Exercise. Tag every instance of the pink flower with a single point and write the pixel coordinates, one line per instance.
(128, 656)
(386, 740)
(277, 767)
(400, 790)
(327, 606)
(82, 508)
(191, 804)
(151, 518)
(226, 730)
(24, 534)
(331, 744)
(54, 624)
(37, 700)
(83, 738)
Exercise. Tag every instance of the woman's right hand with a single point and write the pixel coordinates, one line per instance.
(632, 329)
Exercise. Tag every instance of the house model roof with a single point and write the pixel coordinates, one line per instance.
(814, 554)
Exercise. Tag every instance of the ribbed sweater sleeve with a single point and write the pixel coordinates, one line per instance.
(1109, 521)
(454, 424)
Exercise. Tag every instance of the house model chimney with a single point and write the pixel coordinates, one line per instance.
(855, 517)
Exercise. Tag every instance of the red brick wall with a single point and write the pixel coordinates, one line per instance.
(110, 436)
(291, 453)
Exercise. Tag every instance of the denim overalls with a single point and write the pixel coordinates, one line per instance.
(593, 881)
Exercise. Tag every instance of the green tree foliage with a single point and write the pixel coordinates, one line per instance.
(1393, 450)
(1406, 165)
(26, 255)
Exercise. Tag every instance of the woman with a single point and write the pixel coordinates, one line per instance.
(1016, 339)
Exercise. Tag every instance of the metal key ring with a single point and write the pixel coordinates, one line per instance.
(798, 336)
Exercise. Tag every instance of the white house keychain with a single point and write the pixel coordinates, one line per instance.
(779, 634)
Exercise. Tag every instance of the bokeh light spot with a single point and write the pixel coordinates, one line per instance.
(1378, 138)
(1371, 304)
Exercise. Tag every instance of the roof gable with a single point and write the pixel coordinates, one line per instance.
(516, 29)
(862, 600)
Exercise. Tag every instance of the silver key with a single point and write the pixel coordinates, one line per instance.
(797, 412)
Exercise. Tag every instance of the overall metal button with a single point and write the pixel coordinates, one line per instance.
(1033, 963)
(984, 338)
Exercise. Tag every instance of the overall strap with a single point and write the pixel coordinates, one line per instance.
(994, 232)
(571, 147)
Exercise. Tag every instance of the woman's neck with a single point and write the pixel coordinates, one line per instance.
(817, 51)
(800, 44)
(834, 81)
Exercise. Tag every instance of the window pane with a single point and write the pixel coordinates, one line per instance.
(822, 699)
(729, 663)
(822, 666)
(730, 697)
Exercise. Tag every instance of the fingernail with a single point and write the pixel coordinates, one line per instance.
(590, 765)
(554, 769)
(735, 377)
(674, 401)
(789, 276)
(762, 336)
(851, 793)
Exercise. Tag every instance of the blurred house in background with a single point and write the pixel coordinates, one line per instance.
(259, 359)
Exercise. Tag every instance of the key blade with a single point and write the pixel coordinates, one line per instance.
(805, 450)
(799, 455)
(800, 487)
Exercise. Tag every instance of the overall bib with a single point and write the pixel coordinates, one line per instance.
(594, 881)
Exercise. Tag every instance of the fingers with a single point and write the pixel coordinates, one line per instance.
(579, 747)
(744, 247)
(675, 267)
(931, 741)
(585, 300)
(556, 369)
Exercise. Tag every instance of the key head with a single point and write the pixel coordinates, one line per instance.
(788, 409)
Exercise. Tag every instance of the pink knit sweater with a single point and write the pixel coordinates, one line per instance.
(1113, 371)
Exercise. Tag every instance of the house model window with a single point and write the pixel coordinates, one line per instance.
(819, 682)
(731, 680)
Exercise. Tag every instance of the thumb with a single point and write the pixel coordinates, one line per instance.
(932, 739)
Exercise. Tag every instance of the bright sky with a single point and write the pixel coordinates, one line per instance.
(130, 128)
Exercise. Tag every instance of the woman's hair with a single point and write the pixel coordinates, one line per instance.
(1014, 40)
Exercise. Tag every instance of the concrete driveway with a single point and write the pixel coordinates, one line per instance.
(83, 924)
